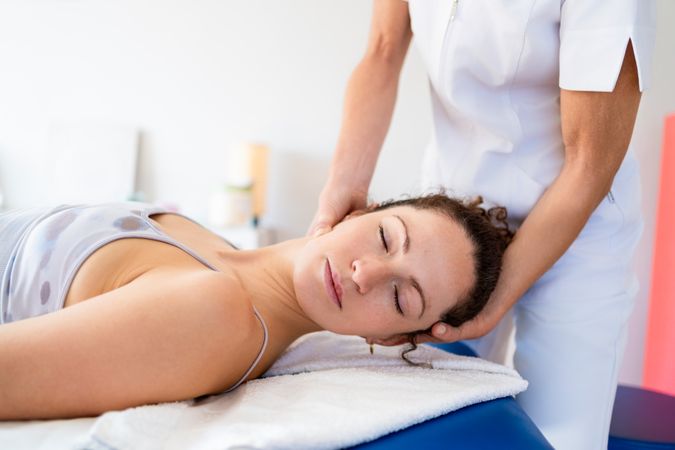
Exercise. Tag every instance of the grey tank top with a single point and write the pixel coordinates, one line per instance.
(48, 248)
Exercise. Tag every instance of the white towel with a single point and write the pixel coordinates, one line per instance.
(326, 391)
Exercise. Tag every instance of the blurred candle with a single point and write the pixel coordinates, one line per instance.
(259, 154)
(247, 166)
(241, 199)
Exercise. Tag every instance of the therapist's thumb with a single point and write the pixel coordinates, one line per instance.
(321, 229)
(321, 225)
(324, 220)
(334, 205)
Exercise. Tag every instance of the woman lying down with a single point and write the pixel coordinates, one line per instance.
(110, 306)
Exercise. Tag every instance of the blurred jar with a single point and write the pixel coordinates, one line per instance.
(231, 206)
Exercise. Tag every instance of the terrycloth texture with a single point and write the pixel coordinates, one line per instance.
(326, 391)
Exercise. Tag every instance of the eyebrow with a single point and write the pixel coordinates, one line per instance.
(415, 284)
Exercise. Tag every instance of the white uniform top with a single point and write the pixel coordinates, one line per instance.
(495, 70)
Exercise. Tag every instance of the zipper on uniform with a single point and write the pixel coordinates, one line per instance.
(610, 196)
(453, 9)
(453, 13)
(444, 56)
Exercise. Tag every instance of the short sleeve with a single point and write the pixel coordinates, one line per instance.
(593, 40)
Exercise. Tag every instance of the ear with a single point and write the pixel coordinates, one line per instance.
(396, 339)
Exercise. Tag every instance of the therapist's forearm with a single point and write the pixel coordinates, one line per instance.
(596, 131)
(368, 108)
(549, 230)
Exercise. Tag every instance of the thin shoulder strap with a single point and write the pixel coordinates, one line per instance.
(200, 400)
(260, 353)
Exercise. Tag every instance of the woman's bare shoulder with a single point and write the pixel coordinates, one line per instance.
(166, 336)
(221, 293)
(221, 313)
(240, 334)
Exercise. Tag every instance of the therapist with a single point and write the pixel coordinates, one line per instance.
(534, 103)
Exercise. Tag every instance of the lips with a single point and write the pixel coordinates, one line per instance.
(332, 285)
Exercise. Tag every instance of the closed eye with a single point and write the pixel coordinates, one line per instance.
(396, 302)
(384, 241)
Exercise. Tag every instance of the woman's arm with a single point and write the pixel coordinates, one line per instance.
(169, 335)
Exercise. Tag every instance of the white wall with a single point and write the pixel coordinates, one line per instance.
(197, 76)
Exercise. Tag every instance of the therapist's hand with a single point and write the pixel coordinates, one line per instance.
(335, 202)
(441, 332)
(477, 327)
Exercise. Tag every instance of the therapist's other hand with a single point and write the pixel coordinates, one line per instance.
(442, 332)
(335, 202)
(477, 327)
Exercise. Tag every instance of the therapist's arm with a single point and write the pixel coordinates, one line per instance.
(596, 130)
(368, 107)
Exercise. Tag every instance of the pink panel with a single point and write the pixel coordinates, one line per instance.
(659, 371)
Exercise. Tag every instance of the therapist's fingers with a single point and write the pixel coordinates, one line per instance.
(319, 228)
(325, 217)
(334, 204)
(332, 208)
(321, 224)
(442, 332)
(477, 327)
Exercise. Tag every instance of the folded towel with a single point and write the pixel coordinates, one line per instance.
(326, 391)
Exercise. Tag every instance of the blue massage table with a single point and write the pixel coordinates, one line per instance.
(497, 424)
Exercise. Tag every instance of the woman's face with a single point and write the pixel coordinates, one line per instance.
(384, 273)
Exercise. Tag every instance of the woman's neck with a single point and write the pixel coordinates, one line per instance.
(266, 274)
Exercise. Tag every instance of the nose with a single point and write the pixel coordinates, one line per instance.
(368, 273)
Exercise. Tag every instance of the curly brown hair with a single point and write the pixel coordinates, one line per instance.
(490, 235)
